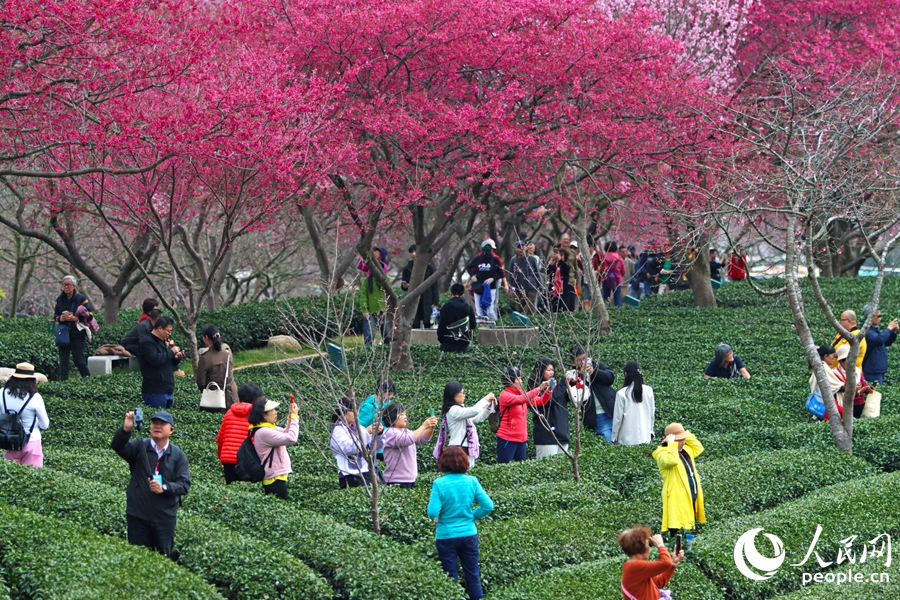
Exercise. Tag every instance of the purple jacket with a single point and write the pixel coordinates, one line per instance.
(269, 438)
(400, 454)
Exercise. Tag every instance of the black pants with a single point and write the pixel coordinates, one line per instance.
(277, 488)
(405, 486)
(230, 475)
(156, 535)
(423, 316)
(352, 481)
(76, 348)
(857, 410)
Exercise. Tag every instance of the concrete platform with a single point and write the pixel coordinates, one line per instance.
(102, 365)
(508, 336)
(426, 337)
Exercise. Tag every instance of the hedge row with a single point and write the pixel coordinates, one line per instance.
(228, 560)
(864, 508)
(50, 558)
(358, 564)
(601, 580)
(403, 516)
(754, 482)
(4, 589)
(350, 559)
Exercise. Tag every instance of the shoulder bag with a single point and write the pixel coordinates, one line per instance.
(213, 397)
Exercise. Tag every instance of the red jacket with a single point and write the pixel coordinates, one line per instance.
(514, 412)
(233, 432)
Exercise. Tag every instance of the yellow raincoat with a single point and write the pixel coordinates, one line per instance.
(676, 492)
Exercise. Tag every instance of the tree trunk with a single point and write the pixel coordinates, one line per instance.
(111, 308)
(700, 282)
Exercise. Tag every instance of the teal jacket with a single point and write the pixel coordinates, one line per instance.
(451, 503)
(368, 409)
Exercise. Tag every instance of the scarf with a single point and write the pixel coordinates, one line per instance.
(474, 446)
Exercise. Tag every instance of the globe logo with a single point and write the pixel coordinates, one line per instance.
(745, 552)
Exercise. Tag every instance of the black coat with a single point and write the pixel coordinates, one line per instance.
(431, 296)
(158, 364)
(485, 266)
(64, 303)
(455, 309)
(132, 339)
(557, 414)
(173, 466)
(601, 383)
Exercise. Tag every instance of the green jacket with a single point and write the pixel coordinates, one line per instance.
(371, 302)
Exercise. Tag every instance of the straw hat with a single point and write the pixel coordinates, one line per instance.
(678, 430)
(24, 371)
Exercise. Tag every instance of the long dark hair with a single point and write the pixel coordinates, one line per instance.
(634, 375)
(257, 412)
(21, 387)
(537, 375)
(212, 332)
(450, 391)
(344, 405)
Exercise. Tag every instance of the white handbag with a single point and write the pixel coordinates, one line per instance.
(872, 408)
(213, 397)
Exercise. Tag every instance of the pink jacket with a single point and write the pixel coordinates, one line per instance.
(269, 438)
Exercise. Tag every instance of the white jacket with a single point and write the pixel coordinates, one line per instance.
(456, 421)
(633, 421)
(345, 447)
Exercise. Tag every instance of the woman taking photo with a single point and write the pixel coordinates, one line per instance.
(642, 578)
(452, 501)
(551, 421)
(401, 466)
(233, 430)
(514, 402)
(635, 410)
(20, 395)
(216, 365)
(270, 443)
(348, 449)
(458, 421)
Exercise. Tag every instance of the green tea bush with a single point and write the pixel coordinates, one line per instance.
(532, 545)
(815, 435)
(228, 560)
(4, 589)
(49, 558)
(601, 580)
(357, 564)
(878, 441)
(753, 482)
(865, 508)
(403, 516)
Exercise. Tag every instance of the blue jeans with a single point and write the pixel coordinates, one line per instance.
(465, 549)
(617, 295)
(370, 325)
(158, 400)
(604, 426)
(509, 451)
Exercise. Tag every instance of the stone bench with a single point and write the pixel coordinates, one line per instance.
(508, 336)
(426, 337)
(103, 365)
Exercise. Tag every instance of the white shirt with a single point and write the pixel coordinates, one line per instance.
(456, 420)
(35, 411)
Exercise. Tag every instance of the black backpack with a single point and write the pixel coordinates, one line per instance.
(249, 467)
(12, 430)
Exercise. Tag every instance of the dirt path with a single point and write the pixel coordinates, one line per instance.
(281, 360)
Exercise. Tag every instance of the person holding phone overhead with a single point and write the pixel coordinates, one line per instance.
(642, 578)
(271, 443)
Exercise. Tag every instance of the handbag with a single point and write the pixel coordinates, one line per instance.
(62, 335)
(495, 418)
(873, 406)
(213, 398)
(815, 405)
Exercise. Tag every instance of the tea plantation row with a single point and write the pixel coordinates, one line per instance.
(767, 464)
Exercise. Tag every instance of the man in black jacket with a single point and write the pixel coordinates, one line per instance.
(599, 377)
(159, 478)
(429, 298)
(132, 339)
(456, 321)
(158, 362)
(487, 276)
(66, 315)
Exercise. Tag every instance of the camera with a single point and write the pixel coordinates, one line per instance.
(138, 418)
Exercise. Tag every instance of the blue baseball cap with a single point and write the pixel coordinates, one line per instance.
(162, 415)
